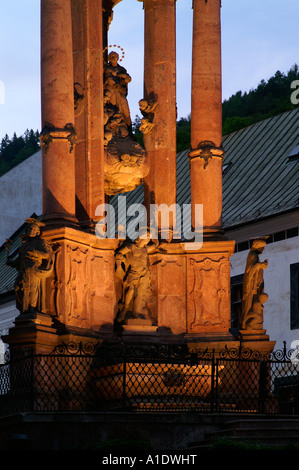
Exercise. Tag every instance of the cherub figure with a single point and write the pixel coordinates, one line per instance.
(147, 109)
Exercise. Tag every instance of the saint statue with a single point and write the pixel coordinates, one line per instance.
(116, 108)
(125, 159)
(34, 263)
(132, 269)
(253, 287)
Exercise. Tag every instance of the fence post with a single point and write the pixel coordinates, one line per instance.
(124, 395)
(32, 387)
(262, 386)
(212, 382)
(284, 350)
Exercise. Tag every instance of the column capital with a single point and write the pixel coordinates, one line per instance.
(153, 3)
(50, 133)
(203, 1)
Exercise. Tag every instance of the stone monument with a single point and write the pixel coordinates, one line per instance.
(165, 290)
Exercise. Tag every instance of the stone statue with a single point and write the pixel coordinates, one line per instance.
(35, 262)
(253, 287)
(116, 81)
(255, 317)
(132, 269)
(147, 109)
(125, 164)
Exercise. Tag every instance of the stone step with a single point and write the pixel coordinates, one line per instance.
(254, 434)
(260, 422)
(267, 432)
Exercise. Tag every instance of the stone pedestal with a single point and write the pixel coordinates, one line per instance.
(82, 292)
(80, 295)
(34, 331)
(191, 288)
(256, 340)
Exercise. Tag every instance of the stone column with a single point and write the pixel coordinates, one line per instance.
(57, 96)
(206, 114)
(88, 79)
(160, 87)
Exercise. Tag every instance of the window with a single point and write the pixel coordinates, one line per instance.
(242, 246)
(294, 273)
(236, 302)
(294, 154)
(292, 232)
(278, 236)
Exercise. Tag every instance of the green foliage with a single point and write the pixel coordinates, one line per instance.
(243, 109)
(267, 100)
(183, 135)
(135, 129)
(17, 149)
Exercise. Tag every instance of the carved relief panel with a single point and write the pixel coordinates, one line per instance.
(208, 293)
(84, 288)
(169, 288)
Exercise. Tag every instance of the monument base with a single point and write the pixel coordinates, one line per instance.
(32, 331)
(257, 340)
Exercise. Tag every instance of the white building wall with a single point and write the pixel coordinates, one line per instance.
(280, 256)
(8, 313)
(20, 195)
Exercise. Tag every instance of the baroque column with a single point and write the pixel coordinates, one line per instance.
(57, 96)
(88, 82)
(206, 153)
(160, 88)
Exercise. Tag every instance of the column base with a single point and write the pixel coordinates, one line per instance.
(60, 220)
(136, 331)
(256, 340)
(33, 331)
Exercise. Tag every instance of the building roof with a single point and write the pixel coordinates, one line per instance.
(259, 179)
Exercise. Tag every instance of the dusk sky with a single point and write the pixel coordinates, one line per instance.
(259, 37)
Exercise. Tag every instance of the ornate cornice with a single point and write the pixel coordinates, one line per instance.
(206, 150)
(51, 133)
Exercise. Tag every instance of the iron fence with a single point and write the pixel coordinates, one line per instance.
(150, 379)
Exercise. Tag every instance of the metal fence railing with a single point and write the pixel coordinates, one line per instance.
(156, 378)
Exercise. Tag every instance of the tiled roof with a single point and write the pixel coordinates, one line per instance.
(260, 180)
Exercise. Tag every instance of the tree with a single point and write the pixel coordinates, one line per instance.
(16, 149)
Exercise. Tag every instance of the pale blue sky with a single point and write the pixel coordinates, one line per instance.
(259, 37)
